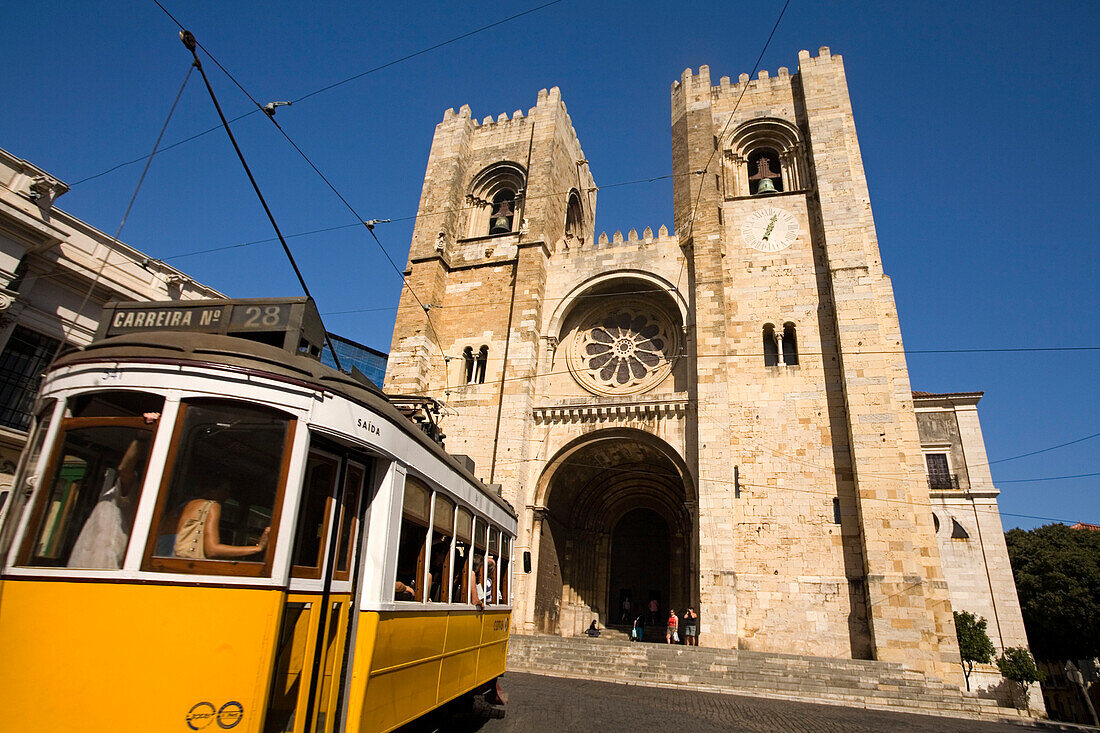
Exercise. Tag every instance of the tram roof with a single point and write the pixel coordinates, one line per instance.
(256, 357)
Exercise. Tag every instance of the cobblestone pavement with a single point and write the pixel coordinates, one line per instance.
(537, 703)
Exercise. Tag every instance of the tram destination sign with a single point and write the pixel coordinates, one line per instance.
(285, 321)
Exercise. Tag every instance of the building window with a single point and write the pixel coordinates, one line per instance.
(958, 532)
(25, 356)
(771, 348)
(763, 155)
(494, 197)
(935, 522)
(836, 511)
(790, 345)
(764, 166)
(504, 212)
(574, 220)
(475, 364)
(940, 477)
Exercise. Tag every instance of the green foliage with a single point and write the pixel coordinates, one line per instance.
(1057, 573)
(974, 643)
(1018, 665)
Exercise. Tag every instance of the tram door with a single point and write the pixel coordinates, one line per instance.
(310, 670)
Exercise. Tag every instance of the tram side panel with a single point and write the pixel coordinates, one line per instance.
(101, 656)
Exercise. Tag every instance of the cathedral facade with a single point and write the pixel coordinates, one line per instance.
(717, 416)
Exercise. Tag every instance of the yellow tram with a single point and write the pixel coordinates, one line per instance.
(209, 529)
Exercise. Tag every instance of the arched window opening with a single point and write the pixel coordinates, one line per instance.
(574, 220)
(495, 199)
(481, 363)
(957, 531)
(765, 172)
(790, 345)
(771, 348)
(762, 155)
(468, 364)
(504, 212)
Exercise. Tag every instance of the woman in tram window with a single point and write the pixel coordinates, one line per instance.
(197, 534)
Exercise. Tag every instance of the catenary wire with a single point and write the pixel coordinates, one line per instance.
(702, 181)
(141, 179)
(327, 87)
(368, 225)
(749, 485)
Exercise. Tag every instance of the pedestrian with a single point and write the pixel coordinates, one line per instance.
(691, 627)
(593, 630)
(654, 607)
(638, 632)
(672, 633)
(625, 615)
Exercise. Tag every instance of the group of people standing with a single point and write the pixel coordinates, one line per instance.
(689, 621)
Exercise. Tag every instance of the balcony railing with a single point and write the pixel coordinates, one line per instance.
(943, 482)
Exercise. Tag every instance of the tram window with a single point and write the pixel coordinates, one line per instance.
(220, 506)
(492, 566)
(505, 567)
(314, 510)
(464, 533)
(348, 525)
(113, 404)
(28, 463)
(84, 518)
(414, 536)
(439, 566)
(478, 569)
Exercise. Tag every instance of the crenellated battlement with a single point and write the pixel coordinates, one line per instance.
(691, 83)
(632, 239)
(549, 100)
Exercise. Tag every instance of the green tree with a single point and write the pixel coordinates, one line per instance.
(974, 644)
(1018, 666)
(1057, 573)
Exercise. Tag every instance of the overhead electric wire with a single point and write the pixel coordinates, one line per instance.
(125, 215)
(721, 135)
(190, 43)
(369, 225)
(648, 472)
(327, 87)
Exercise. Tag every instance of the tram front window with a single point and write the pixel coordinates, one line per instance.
(218, 514)
(85, 516)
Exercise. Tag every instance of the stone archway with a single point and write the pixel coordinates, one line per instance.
(618, 518)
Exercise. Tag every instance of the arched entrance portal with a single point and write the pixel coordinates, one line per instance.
(640, 563)
(618, 522)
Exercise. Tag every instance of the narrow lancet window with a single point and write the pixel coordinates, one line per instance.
(790, 345)
(771, 348)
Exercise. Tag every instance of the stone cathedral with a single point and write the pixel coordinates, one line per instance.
(717, 415)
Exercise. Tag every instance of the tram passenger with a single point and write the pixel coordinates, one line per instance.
(104, 535)
(478, 590)
(197, 534)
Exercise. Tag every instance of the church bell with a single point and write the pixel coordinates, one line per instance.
(766, 186)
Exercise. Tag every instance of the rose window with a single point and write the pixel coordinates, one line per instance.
(626, 350)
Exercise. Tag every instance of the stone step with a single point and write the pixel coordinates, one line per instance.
(865, 683)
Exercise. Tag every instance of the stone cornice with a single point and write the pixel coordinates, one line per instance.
(610, 411)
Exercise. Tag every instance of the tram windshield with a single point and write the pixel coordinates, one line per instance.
(219, 512)
(84, 518)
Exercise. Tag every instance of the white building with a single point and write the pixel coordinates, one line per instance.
(56, 272)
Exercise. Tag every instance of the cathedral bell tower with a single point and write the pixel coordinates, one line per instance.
(783, 258)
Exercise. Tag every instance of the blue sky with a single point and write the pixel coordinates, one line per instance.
(976, 122)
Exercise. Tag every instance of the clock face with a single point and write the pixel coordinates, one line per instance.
(770, 229)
